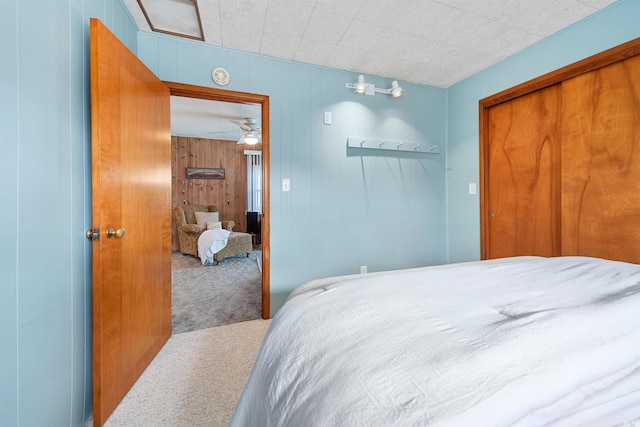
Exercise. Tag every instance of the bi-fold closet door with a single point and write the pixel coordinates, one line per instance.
(560, 164)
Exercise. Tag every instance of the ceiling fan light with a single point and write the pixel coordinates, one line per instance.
(250, 138)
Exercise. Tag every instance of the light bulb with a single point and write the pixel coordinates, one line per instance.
(396, 90)
(360, 86)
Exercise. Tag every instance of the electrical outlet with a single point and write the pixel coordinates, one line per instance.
(363, 269)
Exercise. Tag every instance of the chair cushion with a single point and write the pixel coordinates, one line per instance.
(214, 225)
(202, 218)
(189, 212)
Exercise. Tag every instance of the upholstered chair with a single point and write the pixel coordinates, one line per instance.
(188, 228)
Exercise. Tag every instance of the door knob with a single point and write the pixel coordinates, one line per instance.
(93, 234)
(114, 233)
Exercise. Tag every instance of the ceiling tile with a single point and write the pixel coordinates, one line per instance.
(242, 23)
(285, 24)
(313, 51)
(348, 8)
(327, 26)
(210, 13)
(435, 42)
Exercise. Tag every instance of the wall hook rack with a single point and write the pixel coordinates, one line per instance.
(384, 144)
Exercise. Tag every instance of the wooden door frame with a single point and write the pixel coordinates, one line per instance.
(213, 94)
(602, 59)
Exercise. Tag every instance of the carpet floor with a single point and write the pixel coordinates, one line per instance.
(195, 380)
(214, 295)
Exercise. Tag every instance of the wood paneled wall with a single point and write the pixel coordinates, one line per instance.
(229, 194)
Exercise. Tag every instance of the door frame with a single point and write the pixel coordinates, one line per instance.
(213, 94)
(599, 60)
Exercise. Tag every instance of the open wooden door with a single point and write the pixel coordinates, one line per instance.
(131, 190)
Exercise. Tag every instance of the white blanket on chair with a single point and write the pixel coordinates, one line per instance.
(210, 243)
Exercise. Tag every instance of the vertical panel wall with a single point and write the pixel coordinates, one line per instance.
(610, 27)
(45, 290)
(345, 208)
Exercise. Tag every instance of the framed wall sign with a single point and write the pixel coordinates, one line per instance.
(205, 173)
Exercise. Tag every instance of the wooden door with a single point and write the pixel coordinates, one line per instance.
(601, 163)
(523, 170)
(131, 190)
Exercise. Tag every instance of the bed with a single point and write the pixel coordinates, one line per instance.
(522, 341)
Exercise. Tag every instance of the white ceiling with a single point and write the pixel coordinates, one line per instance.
(432, 42)
(210, 119)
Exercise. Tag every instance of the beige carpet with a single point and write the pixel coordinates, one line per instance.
(195, 380)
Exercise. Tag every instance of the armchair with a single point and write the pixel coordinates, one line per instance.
(188, 229)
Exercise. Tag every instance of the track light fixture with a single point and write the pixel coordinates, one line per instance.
(396, 91)
(370, 89)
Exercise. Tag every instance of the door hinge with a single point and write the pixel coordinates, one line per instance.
(93, 234)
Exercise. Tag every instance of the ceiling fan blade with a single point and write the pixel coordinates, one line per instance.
(241, 140)
(242, 125)
(223, 131)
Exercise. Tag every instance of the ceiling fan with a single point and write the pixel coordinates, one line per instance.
(251, 135)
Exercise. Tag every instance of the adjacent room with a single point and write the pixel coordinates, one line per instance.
(216, 172)
(405, 213)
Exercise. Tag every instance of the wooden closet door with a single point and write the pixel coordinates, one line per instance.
(601, 163)
(524, 175)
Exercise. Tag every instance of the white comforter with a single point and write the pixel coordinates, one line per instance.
(527, 343)
(210, 243)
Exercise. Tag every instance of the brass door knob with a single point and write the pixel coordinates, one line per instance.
(114, 233)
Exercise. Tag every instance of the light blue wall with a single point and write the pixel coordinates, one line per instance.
(45, 271)
(612, 26)
(344, 210)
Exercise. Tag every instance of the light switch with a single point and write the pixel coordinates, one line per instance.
(472, 188)
(327, 118)
(286, 184)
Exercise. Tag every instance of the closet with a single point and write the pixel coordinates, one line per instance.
(560, 162)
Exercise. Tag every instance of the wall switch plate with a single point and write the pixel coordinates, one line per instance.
(472, 188)
(327, 118)
(286, 184)
(363, 269)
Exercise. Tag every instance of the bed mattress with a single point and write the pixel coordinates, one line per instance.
(518, 342)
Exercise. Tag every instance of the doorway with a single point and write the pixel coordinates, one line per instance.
(219, 95)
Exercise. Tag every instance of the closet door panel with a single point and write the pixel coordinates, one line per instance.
(601, 163)
(523, 175)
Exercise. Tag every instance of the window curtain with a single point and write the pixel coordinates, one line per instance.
(254, 181)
